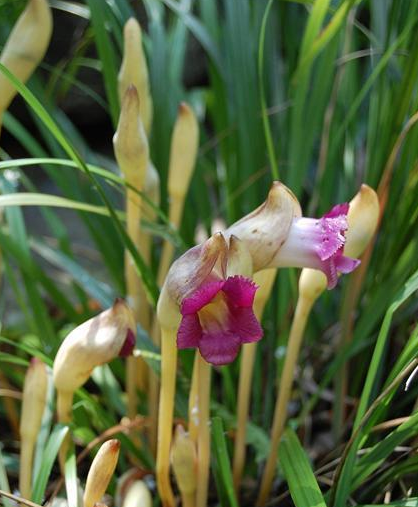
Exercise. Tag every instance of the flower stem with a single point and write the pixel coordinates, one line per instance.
(193, 403)
(188, 500)
(136, 374)
(265, 281)
(203, 436)
(244, 391)
(64, 415)
(25, 466)
(166, 409)
(302, 311)
(175, 213)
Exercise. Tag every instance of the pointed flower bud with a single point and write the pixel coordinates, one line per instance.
(183, 152)
(183, 459)
(34, 398)
(130, 142)
(95, 342)
(362, 217)
(33, 405)
(215, 303)
(101, 471)
(25, 47)
(134, 70)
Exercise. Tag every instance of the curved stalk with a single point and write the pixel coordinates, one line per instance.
(166, 410)
(302, 311)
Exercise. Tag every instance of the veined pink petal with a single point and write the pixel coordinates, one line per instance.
(219, 348)
(245, 325)
(190, 332)
(218, 318)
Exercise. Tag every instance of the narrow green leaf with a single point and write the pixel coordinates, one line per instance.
(51, 451)
(33, 199)
(71, 484)
(222, 459)
(298, 472)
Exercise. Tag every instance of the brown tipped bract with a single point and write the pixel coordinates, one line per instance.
(101, 471)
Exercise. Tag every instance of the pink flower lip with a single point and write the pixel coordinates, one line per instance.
(128, 344)
(218, 318)
(319, 244)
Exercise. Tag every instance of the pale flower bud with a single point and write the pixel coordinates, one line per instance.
(101, 471)
(137, 495)
(95, 342)
(134, 70)
(183, 152)
(362, 218)
(25, 47)
(33, 406)
(130, 142)
(183, 460)
(34, 399)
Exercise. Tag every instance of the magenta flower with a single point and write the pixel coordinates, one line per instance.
(208, 294)
(218, 318)
(211, 288)
(318, 244)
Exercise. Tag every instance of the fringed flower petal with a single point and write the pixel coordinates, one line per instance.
(201, 297)
(240, 291)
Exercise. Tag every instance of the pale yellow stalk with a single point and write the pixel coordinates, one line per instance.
(100, 473)
(33, 405)
(183, 152)
(265, 281)
(166, 410)
(25, 47)
(203, 436)
(302, 311)
(132, 154)
(193, 405)
(183, 459)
